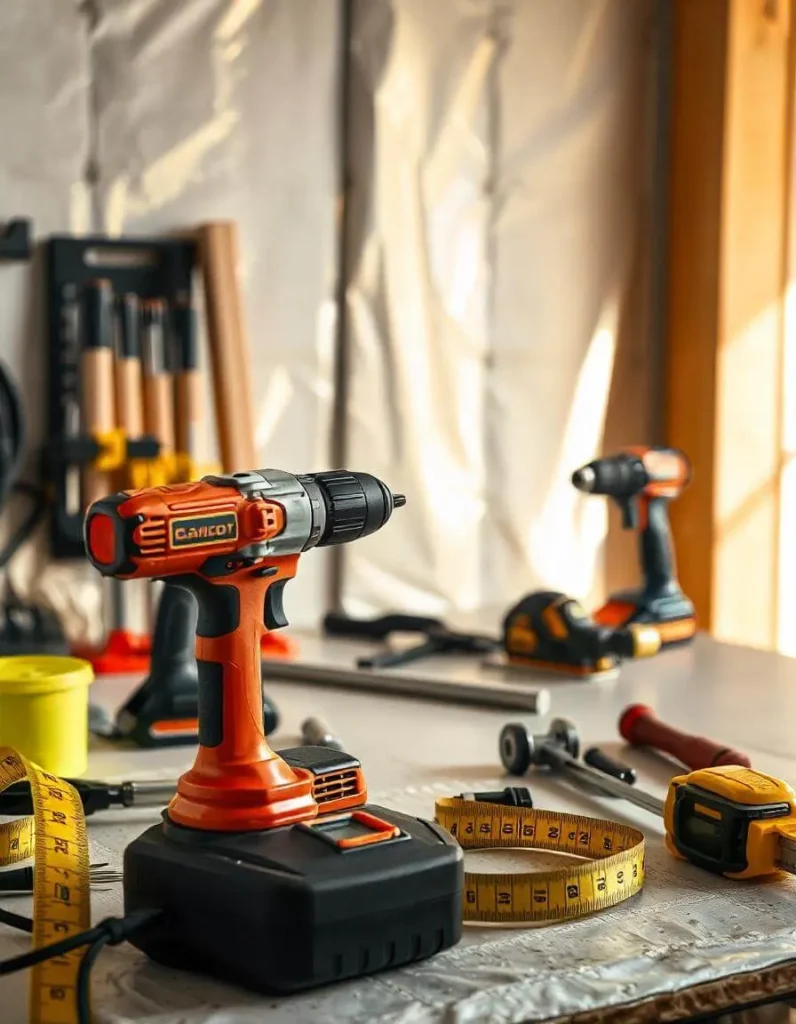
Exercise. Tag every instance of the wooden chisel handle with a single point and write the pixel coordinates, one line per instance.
(97, 378)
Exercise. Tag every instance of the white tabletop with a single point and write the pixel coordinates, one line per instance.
(687, 928)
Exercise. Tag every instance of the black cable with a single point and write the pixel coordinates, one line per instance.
(84, 979)
(25, 924)
(113, 929)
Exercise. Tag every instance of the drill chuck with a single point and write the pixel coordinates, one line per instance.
(354, 504)
(619, 476)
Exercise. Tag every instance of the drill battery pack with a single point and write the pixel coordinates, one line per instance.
(299, 906)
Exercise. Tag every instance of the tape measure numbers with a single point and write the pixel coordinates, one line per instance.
(612, 871)
(56, 837)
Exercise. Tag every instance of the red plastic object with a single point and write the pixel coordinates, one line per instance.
(129, 653)
(123, 653)
(276, 645)
(640, 726)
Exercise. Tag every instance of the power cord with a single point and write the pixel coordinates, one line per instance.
(110, 932)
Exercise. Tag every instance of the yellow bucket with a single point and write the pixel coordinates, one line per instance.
(44, 710)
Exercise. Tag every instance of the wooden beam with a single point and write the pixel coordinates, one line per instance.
(727, 234)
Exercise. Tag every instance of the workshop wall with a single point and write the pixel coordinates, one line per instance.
(499, 242)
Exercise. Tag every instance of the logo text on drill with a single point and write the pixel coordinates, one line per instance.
(197, 531)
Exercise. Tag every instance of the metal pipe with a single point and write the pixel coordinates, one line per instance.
(509, 697)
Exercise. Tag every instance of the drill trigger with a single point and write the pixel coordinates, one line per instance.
(274, 613)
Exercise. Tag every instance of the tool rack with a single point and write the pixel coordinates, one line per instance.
(150, 268)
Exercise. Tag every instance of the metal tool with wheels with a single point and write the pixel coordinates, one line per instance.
(519, 749)
(558, 750)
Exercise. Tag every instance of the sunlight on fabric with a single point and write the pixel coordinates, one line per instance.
(168, 176)
(235, 18)
(786, 556)
(274, 405)
(567, 514)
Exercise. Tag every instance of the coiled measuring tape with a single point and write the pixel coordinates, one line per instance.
(612, 871)
(56, 838)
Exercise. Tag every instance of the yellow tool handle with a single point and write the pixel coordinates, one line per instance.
(56, 837)
(612, 871)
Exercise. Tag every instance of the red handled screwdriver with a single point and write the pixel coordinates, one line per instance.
(640, 726)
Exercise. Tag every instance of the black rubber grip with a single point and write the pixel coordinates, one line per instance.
(599, 760)
(656, 548)
(211, 703)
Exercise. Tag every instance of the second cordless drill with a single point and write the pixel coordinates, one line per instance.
(642, 481)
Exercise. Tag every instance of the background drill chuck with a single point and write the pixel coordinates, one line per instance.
(619, 476)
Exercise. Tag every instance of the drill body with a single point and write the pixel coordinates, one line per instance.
(234, 542)
(642, 481)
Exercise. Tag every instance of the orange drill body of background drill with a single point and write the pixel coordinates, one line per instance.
(234, 542)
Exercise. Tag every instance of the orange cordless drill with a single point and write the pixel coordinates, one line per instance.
(278, 850)
(642, 481)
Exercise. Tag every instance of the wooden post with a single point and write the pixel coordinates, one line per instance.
(730, 128)
(229, 348)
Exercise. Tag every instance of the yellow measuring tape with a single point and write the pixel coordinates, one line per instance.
(612, 871)
(56, 837)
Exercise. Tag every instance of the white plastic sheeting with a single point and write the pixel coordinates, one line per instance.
(45, 125)
(212, 109)
(158, 115)
(503, 181)
(498, 179)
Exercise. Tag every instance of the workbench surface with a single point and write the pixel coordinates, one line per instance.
(689, 943)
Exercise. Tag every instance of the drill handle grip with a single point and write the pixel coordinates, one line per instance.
(640, 726)
(234, 610)
(656, 548)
